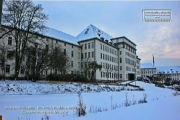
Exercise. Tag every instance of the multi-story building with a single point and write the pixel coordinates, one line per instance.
(116, 55)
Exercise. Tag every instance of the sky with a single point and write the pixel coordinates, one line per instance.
(120, 18)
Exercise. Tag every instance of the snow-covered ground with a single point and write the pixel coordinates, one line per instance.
(23, 100)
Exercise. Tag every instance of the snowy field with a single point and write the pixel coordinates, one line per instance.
(23, 100)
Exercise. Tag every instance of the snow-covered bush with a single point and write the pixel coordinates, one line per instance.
(127, 102)
(144, 99)
(81, 109)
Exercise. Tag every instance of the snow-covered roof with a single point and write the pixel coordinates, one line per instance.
(93, 32)
(168, 69)
(147, 65)
(50, 32)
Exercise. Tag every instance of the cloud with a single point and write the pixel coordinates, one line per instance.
(161, 39)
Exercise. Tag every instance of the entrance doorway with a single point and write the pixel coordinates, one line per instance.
(131, 76)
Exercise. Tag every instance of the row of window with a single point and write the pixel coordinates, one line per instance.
(130, 62)
(147, 72)
(108, 58)
(87, 55)
(109, 66)
(110, 75)
(88, 45)
(108, 49)
(129, 48)
(130, 55)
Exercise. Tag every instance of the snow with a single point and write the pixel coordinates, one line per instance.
(50, 32)
(167, 69)
(93, 32)
(161, 103)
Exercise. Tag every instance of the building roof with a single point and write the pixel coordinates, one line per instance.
(168, 69)
(50, 32)
(93, 32)
(147, 65)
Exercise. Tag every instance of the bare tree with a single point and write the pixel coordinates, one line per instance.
(38, 60)
(24, 18)
(86, 68)
(59, 60)
(93, 67)
(3, 50)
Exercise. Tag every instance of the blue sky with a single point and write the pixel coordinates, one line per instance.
(121, 18)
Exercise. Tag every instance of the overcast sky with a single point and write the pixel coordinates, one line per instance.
(122, 19)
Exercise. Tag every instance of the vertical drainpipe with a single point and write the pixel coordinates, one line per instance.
(118, 63)
(1, 5)
(80, 59)
(95, 54)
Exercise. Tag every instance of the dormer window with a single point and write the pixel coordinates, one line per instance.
(86, 31)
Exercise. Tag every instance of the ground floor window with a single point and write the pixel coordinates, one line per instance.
(22, 70)
(7, 68)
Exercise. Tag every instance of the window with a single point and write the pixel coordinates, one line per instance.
(81, 55)
(72, 54)
(92, 54)
(9, 40)
(120, 67)
(85, 55)
(64, 44)
(101, 46)
(64, 51)
(8, 55)
(7, 68)
(120, 76)
(78, 55)
(72, 46)
(55, 71)
(88, 45)
(89, 54)
(120, 52)
(101, 55)
(82, 65)
(85, 46)
(22, 70)
(120, 60)
(79, 64)
(46, 72)
(92, 44)
(71, 63)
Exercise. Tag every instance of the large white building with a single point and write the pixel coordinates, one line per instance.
(116, 55)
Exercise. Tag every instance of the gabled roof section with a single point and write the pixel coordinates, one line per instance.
(56, 34)
(93, 32)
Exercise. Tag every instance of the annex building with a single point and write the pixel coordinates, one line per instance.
(148, 70)
(116, 55)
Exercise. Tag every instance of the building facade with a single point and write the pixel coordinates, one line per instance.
(116, 55)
